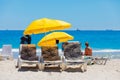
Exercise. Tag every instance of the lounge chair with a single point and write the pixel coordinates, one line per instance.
(73, 55)
(90, 60)
(50, 56)
(6, 52)
(101, 60)
(27, 54)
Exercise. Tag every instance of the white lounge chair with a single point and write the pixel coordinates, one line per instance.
(27, 54)
(6, 52)
(90, 60)
(101, 60)
(73, 56)
(50, 56)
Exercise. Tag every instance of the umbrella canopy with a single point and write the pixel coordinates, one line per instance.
(50, 39)
(45, 25)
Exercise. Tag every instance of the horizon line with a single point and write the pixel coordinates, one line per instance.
(69, 30)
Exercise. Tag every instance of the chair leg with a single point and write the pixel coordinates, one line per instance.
(83, 67)
(19, 63)
(105, 61)
(63, 66)
(41, 66)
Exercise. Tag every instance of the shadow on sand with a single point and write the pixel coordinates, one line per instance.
(48, 69)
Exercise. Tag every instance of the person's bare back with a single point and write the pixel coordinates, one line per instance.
(88, 50)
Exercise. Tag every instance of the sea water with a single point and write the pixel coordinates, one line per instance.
(103, 42)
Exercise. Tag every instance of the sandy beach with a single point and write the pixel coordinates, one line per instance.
(110, 71)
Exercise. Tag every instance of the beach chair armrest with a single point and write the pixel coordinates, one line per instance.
(41, 59)
(19, 58)
(19, 55)
(63, 58)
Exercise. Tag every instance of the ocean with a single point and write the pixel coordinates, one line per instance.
(103, 42)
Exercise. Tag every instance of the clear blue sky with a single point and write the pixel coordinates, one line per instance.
(82, 14)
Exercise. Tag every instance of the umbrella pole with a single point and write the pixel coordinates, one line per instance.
(45, 35)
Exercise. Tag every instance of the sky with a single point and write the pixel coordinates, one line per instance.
(82, 14)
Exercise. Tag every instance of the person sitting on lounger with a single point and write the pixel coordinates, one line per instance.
(88, 50)
(26, 39)
(23, 40)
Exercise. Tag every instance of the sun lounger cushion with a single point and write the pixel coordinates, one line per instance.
(50, 53)
(28, 52)
(72, 50)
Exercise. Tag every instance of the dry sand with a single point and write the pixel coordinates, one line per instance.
(110, 71)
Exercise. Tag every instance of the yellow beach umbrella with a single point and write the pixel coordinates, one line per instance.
(45, 25)
(50, 39)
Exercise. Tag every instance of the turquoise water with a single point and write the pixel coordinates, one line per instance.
(100, 41)
(97, 39)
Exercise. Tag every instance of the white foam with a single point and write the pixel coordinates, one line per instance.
(106, 50)
(102, 50)
(15, 50)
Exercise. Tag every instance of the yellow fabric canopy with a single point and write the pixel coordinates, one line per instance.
(50, 39)
(45, 25)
